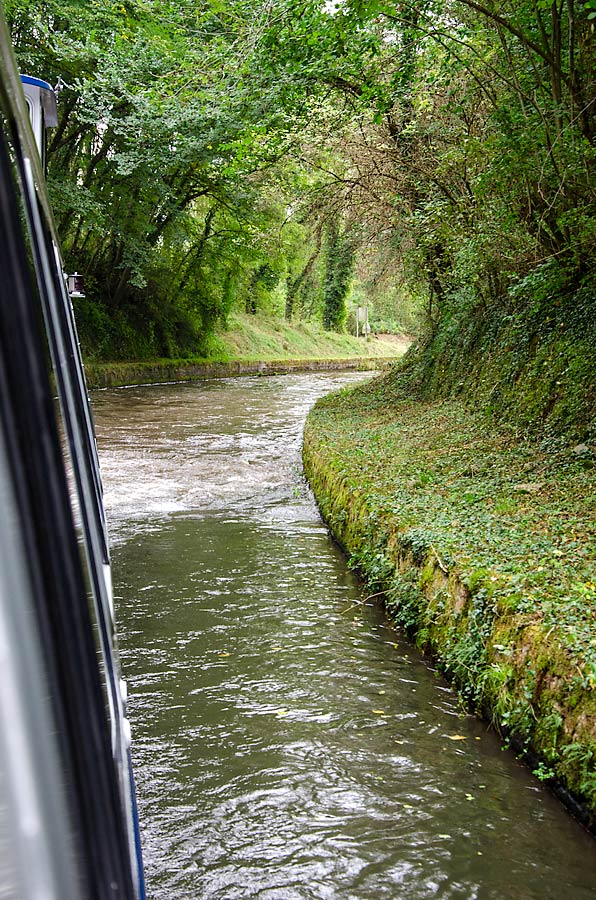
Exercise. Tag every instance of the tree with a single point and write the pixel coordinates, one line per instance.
(204, 152)
(338, 272)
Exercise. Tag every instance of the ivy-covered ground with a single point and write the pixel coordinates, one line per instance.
(484, 544)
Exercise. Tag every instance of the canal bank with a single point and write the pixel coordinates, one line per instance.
(483, 547)
(257, 346)
(120, 374)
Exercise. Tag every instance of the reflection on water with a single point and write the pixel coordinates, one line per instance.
(288, 743)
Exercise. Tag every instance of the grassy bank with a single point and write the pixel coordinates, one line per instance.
(254, 346)
(484, 545)
(268, 337)
(528, 358)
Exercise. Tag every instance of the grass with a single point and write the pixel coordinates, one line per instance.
(485, 543)
(266, 338)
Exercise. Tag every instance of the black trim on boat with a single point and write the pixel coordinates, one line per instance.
(66, 788)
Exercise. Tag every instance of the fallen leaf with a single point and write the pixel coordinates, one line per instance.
(531, 488)
(581, 450)
(456, 737)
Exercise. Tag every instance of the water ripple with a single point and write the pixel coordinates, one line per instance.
(288, 744)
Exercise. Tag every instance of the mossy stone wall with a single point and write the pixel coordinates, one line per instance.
(506, 664)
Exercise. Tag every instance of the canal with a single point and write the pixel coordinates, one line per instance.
(288, 743)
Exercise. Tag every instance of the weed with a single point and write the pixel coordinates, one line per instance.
(417, 542)
(543, 772)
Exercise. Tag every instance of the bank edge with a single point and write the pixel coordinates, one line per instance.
(454, 621)
(105, 375)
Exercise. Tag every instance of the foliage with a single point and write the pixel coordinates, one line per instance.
(471, 167)
(154, 167)
(271, 159)
(171, 186)
(336, 283)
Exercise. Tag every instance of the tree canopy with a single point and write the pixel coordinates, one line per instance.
(284, 156)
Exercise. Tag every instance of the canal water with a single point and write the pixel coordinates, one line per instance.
(288, 743)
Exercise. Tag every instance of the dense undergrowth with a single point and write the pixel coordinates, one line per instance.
(528, 358)
(484, 544)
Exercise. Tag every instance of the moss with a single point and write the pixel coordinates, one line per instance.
(478, 580)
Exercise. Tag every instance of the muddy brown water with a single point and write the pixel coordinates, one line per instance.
(288, 743)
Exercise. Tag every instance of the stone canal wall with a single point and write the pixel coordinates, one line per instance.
(104, 375)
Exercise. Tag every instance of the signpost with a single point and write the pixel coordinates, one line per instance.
(362, 319)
